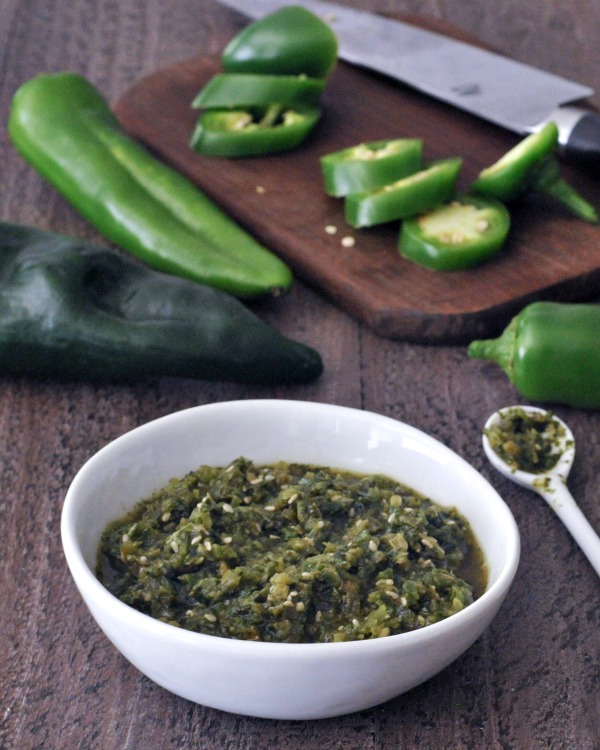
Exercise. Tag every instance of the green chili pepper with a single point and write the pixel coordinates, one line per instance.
(62, 125)
(456, 235)
(71, 310)
(370, 165)
(252, 132)
(550, 352)
(290, 41)
(234, 90)
(408, 196)
(532, 167)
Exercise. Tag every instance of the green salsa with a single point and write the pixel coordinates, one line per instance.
(291, 553)
(530, 441)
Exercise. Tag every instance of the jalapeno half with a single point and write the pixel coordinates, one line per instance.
(408, 196)
(370, 165)
(531, 166)
(457, 235)
(252, 132)
(229, 90)
(290, 41)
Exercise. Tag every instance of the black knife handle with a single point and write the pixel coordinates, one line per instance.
(581, 143)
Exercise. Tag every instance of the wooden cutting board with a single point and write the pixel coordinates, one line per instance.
(280, 200)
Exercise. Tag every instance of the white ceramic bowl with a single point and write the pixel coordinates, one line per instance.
(273, 680)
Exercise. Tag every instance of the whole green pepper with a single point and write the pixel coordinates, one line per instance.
(70, 310)
(531, 166)
(550, 352)
(290, 41)
(236, 133)
(62, 125)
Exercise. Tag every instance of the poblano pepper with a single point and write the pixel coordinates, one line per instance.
(550, 352)
(63, 126)
(531, 166)
(70, 310)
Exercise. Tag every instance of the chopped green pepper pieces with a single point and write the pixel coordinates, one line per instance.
(408, 196)
(370, 165)
(256, 132)
(72, 310)
(234, 90)
(290, 41)
(550, 352)
(456, 235)
(531, 166)
(63, 127)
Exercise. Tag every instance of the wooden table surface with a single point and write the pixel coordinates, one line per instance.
(531, 681)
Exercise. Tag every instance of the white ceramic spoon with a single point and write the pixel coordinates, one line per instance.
(552, 485)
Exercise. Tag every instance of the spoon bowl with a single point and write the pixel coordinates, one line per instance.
(550, 484)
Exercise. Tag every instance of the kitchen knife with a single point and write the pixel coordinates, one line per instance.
(503, 91)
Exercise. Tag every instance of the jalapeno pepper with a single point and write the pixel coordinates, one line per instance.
(290, 41)
(456, 235)
(532, 167)
(234, 90)
(252, 132)
(370, 165)
(408, 196)
(62, 125)
(550, 352)
(71, 310)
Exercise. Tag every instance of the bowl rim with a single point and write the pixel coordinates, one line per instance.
(91, 588)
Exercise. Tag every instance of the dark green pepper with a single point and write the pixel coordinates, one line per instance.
(531, 166)
(415, 194)
(253, 132)
(290, 41)
(63, 126)
(457, 235)
(550, 352)
(235, 90)
(370, 165)
(71, 310)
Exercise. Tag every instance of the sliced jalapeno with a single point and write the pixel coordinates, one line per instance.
(457, 235)
(531, 166)
(370, 165)
(230, 90)
(252, 132)
(290, 41)
(408, 196)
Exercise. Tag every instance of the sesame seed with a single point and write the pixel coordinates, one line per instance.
(227, 539)
(210, 617)
(293, 498)
(270, 508)
(373, 545)
(260, 189)
(196, 539)
(330, 229)
(299, 606)
(227, 508)
(166, 517)
(208, 545)
(348, 241)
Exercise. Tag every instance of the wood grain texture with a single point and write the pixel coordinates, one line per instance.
(549, 254)
(530, 683)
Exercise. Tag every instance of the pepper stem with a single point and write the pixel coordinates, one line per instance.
(548, 179)
(499, 350)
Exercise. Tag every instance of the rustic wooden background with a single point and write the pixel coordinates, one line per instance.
(530, 683)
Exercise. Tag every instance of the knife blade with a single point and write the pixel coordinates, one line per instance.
(503, 91)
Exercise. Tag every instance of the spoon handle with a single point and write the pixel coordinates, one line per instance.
(563, 504)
